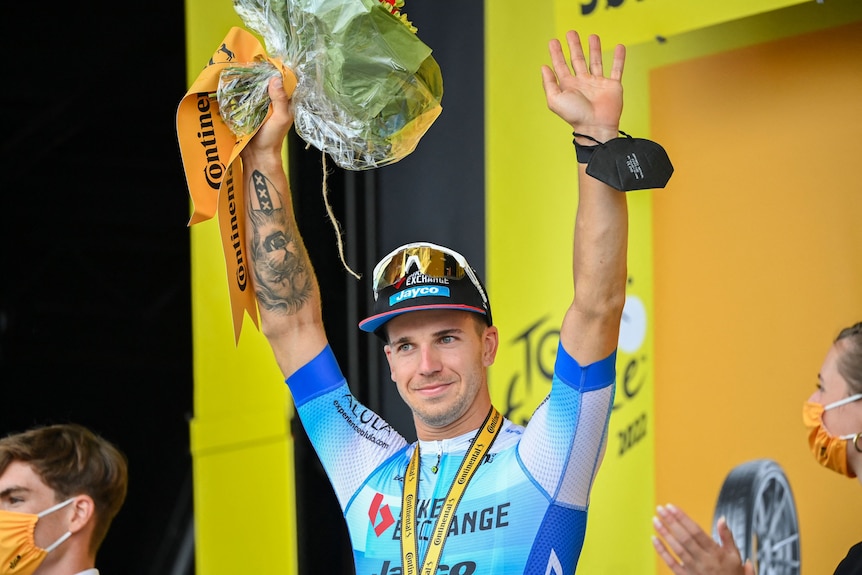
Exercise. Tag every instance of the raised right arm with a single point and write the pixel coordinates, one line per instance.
(286, 287)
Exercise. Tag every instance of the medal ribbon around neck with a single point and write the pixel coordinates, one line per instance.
(471, 462)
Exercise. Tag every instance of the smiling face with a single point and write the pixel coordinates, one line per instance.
(439, 360)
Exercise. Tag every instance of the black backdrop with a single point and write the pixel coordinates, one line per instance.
(95, 310)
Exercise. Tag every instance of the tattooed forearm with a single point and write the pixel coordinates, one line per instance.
(282, 271)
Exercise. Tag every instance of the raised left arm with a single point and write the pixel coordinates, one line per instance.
(591, 103)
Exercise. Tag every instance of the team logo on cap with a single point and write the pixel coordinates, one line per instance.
(413, 293)
(417, 278)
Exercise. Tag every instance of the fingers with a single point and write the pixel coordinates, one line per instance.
(668, 559)
(681, 528)
(619, 62)
(728, 545)
(276, 89)
(558, 60)
(684, 537)
(688, 527)
(280, 100)
(670, 537)
(549, 83)
(576, 53)
(578, 60)
(282, 113)
(596, 56)
(725, 535)
(270, 135)
(697, 552)
(577, 90)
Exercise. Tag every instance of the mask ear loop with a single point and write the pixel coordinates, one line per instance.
(67, 534)
(55, 507)
(57, 543)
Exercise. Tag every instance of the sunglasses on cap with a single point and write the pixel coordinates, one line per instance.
(426, 258)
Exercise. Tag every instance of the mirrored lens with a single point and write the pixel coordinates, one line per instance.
(428, 260)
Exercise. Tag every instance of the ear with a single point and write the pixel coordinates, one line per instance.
(854, 455)
(83, 512)
(490, 344)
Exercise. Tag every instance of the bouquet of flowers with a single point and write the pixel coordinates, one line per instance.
(367, 87)
(364, 90)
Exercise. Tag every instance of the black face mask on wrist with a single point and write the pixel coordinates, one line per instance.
(626, 163)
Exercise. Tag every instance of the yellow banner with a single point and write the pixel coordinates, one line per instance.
(634, 21)
(209, 149)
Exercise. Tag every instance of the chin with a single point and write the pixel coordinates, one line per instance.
(440, 418)
(437, 420)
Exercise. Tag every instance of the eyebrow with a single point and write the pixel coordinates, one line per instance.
(448, 331)
(436, 334)
(13, 489)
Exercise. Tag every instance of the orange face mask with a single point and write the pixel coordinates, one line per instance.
(829, 450)
(19, 554)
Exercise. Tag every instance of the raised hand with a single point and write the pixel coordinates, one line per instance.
(581, 94)
(697, 552)
(273, 131)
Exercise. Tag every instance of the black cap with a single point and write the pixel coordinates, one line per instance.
(424, 276)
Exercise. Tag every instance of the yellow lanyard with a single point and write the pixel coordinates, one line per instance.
(472, 459)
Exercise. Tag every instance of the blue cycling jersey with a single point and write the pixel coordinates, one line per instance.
(525, 509)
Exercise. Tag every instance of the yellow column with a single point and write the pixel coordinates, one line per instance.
(242, 450)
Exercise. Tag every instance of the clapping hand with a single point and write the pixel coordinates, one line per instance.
(696, 553)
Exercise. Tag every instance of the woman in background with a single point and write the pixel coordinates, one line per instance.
(833, 415)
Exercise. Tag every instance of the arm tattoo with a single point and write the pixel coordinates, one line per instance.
(282, 273)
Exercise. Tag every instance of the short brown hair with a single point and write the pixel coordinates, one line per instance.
(72, 460)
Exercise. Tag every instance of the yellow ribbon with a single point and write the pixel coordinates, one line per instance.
(409, 499)
(209, 149)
